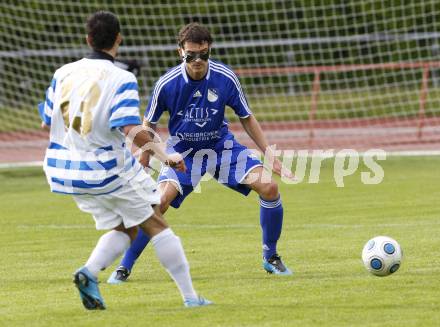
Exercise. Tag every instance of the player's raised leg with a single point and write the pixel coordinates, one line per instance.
(168, 193)
(271, 221)
(170, 252)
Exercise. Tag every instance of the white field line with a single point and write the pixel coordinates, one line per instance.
(7, 165)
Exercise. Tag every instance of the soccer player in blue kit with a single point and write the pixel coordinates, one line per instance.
(195, 93)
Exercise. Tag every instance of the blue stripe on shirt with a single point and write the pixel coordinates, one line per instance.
(124, 121)
(126, 87)
(41, 110)
(125, 103)
(84, 184)
(56, 146)
(53, 84)
(76, 193)
(44, 118)
(47, 120)
(82, 165)
(49, 104)
(106, 148)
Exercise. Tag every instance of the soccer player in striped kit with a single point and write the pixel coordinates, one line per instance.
(90, 108)
(195, 93)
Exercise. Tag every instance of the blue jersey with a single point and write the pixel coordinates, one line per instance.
(197, 108)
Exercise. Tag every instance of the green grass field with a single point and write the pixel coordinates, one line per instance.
(44, 238)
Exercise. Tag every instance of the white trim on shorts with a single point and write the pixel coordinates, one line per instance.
(179, 187)
(248, 172)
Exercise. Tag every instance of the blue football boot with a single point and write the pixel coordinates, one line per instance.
(199, 302)
(87, 285)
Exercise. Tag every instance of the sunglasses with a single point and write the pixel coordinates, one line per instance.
(190, 56)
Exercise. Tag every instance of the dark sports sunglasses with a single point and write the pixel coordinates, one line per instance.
(190, 56)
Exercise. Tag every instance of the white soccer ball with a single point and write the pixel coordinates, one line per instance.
(382, 256)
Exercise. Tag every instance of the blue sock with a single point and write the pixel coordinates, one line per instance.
(135, 250)
(271, 221)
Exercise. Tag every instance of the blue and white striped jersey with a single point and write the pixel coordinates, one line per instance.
(86, 104)
(197, 108)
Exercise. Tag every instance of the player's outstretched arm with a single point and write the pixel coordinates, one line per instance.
(253, 129)
(139, 135)
(144, 158)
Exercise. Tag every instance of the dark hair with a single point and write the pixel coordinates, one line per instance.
(102, 28)
(193, 32)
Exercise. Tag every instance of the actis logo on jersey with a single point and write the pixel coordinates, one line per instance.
(212, 95)
(199, 116)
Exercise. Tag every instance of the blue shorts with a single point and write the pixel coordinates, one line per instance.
(228, 162)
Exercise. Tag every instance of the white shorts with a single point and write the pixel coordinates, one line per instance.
(130, 205)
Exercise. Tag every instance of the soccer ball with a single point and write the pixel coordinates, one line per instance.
(382, 256)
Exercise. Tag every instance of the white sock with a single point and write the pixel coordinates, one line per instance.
(170, 252)
(109, 247)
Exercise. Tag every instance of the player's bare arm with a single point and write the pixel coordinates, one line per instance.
(253, 129)
(142, 139)
(144, 158)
